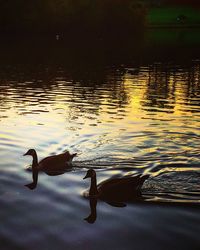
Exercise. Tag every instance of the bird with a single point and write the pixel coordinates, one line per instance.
(52, 165)
(116, 190)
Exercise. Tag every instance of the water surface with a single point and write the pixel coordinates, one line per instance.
(122, 119)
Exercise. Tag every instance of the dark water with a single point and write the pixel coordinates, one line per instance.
(122, 117)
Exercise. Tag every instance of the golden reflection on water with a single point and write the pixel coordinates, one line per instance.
(143, 119)
(144, 109)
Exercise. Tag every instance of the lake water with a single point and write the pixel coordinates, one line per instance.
(122, 117)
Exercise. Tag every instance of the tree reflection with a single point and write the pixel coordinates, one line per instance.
(87, 84)
(167, 85)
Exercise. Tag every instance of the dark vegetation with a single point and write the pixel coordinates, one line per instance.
(194, 3)
(96, 18)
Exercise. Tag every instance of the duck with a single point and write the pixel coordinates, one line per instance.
(53, 162)
(52, 165)
(117, 189)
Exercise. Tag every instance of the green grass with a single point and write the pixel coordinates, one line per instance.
(168, 15)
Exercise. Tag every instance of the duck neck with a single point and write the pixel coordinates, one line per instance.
(93, 187)
(35, 160)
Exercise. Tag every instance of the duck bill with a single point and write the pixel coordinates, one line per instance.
(85, 177)
(25, 154)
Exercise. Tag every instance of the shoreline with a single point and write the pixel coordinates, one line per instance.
(173, 26)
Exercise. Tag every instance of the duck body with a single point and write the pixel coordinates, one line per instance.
(56, 162)
(121, 188)
(118, 189)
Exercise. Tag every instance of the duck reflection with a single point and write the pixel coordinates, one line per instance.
(93, 211)
(51, 165)
(116, 192)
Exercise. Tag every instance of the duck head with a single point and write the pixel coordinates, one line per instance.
(31, 152)
(90, 173)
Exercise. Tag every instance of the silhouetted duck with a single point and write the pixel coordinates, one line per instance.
(118, 189)
(53, 162)
(52, 165)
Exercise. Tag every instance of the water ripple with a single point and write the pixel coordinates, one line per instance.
(121, 121)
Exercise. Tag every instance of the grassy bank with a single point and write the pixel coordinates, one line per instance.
(176, 16)
(101, 19)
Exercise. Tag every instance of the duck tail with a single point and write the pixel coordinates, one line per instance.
(144, 178)
(73, 155)
(141, 182)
